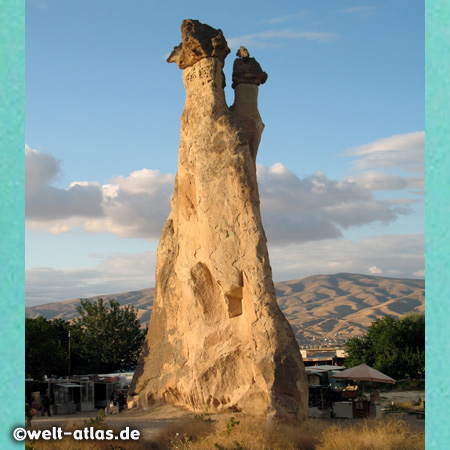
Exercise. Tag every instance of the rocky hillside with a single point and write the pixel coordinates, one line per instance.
(319, 307)
(343, 305)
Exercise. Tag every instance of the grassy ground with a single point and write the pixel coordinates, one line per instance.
(232, 433)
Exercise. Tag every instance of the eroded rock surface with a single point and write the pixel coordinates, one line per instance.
(198, 41)
(247, 70)
(217, 338)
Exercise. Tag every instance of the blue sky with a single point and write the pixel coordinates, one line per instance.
(341, 160)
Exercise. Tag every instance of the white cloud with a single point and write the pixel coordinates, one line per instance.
(133, 206)
(294, 209)
(402, 151)
(49, 203)
(281, 190)
(362, 10)
(40, 168)
(399, 255)
(115, 274)
(304, 219)
(44, 202)
(59, 228)
(379, 181)
(315, 207)
(272, 37)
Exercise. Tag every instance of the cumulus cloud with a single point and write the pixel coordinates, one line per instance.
(398, 255)
(44, 202)
(315, 207)
(304, 219)
(40, 168)
(49, 203)
(294, 209)
(281, 189)
(133, 206)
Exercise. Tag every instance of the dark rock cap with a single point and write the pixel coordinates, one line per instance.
(247, 70)
(198, 41)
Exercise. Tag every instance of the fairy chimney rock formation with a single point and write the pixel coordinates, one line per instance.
(247, 76)
(217, 338)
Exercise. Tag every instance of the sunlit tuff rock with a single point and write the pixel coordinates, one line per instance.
(217, 338)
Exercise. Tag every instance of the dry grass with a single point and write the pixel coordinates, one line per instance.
(391, 434)
(249, 434)
(184, 435)
(69, 443)
(244, 435)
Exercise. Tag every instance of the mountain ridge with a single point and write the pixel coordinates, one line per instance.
(320, 308)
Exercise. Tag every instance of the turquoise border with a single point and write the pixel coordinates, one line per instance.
(437, 229)
(12, 55)
(12, 219)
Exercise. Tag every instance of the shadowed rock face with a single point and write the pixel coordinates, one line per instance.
(198, 41)
(217, 338)
(247, 70)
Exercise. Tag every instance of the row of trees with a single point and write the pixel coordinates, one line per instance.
(393, 346)
(104, 338)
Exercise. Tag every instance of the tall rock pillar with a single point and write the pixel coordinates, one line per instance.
(217, 337)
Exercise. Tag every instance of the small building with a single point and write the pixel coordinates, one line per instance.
(79, 393)
(321, 375)
(323, 389)
(325, 356)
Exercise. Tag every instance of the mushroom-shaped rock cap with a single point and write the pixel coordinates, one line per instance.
(247, 70)
(198, 41)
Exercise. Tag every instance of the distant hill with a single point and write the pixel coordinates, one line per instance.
(141, 300)
(317, 307)
(322, 306)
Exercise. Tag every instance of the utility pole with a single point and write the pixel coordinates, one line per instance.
(69, 354)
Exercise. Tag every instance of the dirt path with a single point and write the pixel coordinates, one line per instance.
(148, 422)
(153, 421)
(386, 398)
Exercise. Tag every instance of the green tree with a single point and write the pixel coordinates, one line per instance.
(46, 347)
(393, 346)
(111, 336)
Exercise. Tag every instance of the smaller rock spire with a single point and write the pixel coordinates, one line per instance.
(247, 70)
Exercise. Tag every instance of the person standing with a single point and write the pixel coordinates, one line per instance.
(46, 404)
(121, 401)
